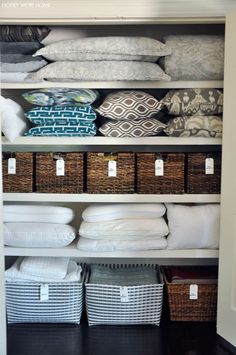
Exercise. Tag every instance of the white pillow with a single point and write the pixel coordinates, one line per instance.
(121, 245)
(193, 226)
(38, 235)
(128, 229)
(13, 120)
(33, 213)
(50, 267)
(102, 212)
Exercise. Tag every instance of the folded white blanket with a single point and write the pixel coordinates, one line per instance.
(127, 229)
(15, 275)
(49, 267)
(103, 212)
(121, 245)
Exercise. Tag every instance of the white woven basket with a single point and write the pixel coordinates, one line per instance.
(25, 303)
(104, 306)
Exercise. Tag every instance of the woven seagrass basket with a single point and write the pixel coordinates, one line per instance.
(172, 181)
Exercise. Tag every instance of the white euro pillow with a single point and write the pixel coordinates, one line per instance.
(128, 229)
(193, 227)
(13, 121)
(41, 214)
(38, 235)
(108, 212)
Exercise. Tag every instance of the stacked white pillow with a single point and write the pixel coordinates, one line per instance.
(123, 227)
(37, 226)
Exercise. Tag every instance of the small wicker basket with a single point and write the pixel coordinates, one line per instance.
(22, 180)
(172, 180)
(198, 182)
(47, 179)
(98, 179)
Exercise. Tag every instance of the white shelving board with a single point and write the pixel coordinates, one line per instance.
(117, 84)
(111, 198)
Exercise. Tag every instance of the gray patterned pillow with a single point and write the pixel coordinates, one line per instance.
(190, 102)
(134, 128)
(195, 57)
(198, 126)
(129, 105)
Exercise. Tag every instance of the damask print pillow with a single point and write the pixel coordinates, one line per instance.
(188, 102)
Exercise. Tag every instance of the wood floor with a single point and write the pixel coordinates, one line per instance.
(171, 338)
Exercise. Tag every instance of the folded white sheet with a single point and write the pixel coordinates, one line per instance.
(128, 229)
(33, 213)
(121, 245)
(49, 267)
(104, 212)
(38, 235)
(15, 275)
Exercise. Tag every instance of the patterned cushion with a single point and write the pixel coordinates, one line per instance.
(195, 57)
(83, 130)
(13, 33)
(129, 105)
(198, 126)
(105, 48)
(133, 128)
(61, 96)
(45, 114)
(189, 102)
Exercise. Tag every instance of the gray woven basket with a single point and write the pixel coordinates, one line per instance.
(64, 304)
(104, 306)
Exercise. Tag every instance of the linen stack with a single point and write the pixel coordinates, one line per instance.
(18, 44)
(123, 227)
(62, 112)
(37, 226)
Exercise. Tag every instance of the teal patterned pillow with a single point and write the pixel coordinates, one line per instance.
(61, 96)
(85, 129)
(60, 115)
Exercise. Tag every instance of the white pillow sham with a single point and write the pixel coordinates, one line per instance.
(41, 214)
(128, 229)
(193, 227)
(38, 235)
(49, 267)
(107, 212)
(121, 245)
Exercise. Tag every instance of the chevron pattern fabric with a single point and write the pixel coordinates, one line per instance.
(134, 128)
(129, 105)
(85, 129)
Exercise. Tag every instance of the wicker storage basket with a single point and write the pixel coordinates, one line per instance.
(104, 306)
(182, 308)
(47, 179)
(98, 179)
(198, 182)
(22, 180)
(172, 181)
(64, 304)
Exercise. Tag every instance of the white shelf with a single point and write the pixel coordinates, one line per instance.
(106, 141)
(118, 84)
(111, 198)
(72, 251)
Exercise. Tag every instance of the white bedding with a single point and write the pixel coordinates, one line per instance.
(45, 267)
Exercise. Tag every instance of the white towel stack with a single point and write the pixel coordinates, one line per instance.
(37, 226)
(123, 227)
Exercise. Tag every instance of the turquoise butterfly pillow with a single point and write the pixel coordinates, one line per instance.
(61, 96)
(61, 115)
(85, 129)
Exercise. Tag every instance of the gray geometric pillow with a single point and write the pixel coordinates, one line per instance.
(198, 126)
(188, 102)
(133, 128)
(129, 105)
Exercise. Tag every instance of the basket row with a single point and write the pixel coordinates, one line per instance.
(144, 173)
(34, 302)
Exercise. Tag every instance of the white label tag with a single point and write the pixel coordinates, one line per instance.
(112, 168)
(11, 166)
(124, 295)
(209, 166)
(44, 293)
(193, 292)
(60, 167)
(159, 167)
